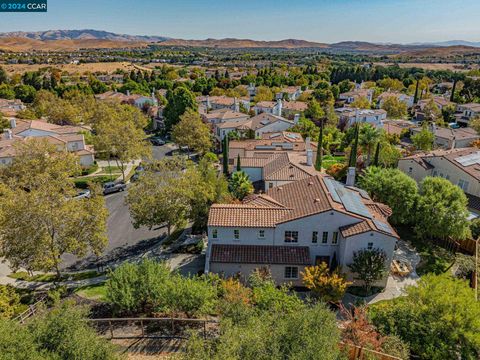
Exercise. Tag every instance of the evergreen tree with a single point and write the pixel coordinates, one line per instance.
(318, 162)
(225, 155)
(239, 166)
(353, 151)
(377, 155)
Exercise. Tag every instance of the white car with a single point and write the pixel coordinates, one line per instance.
(83, 194)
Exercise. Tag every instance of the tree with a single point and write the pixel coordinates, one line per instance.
(308, 333)
(475, 123)
(369, 137)
(353, 152)
(40, 221)
(314, 111)
(431, 112)
(63, 333)
(240, 185)
(18, 343)
(346, 85)
(179, 100)
(394, 107)
(389, 185)
(361, 102)
(3, 75)
(390, 84)
(326, 286)
(456, 78)
(4, 123)
(424, 139)
(26, 93)
(225, 155)
(9, 301)
(441, 210)
(191, 131)
(369, 266)
(307, 128)
(159, 197)
(239, 166)
(263, 93)
(6, 92)
(119, 133)
(439, 318)
(376, 159)
(318, 161)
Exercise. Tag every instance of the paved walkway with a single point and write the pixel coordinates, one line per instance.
(395, 284)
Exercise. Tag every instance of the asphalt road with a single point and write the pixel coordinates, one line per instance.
(120, 230)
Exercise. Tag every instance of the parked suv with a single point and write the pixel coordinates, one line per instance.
(111, 187)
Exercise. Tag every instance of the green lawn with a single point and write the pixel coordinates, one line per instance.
(23, 275)
(329, 160)
(93, 292)
(434, 258)
(82, 183)
(111, 169)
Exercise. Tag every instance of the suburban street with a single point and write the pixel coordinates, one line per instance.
(121, 233)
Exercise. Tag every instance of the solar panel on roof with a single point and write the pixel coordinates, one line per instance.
(469, 159)
(265, 122)
(274, 135)
(353, 203)
(382, 226)
(331, 186)
(292, 136)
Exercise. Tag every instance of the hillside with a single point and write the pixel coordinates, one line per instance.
(19, 44)
(87, 34)
(230, 43)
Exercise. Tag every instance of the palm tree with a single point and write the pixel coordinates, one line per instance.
(369, 137)
(240, 185)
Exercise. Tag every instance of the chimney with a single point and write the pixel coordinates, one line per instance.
(279, 107)
(8, 134)
(309, 157)
(307, 143)
(296, 119)
(351, 176)
(236, 105)
(13, 123)
(128, 92)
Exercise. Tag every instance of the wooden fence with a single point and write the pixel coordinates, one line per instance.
(358, 353)
(32, 310)
(151, 328)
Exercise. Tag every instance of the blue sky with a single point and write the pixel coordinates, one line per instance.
(321, 20)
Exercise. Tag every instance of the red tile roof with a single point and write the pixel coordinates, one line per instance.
(260, 254)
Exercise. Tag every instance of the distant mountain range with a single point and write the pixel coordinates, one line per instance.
(87, 34)
(88, 38)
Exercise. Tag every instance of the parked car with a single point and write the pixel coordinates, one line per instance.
(83, 194)
(157, 141)
(111, 187)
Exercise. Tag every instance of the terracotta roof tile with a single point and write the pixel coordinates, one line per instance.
(260, 254)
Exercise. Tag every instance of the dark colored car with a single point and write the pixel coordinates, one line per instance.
(111, 187)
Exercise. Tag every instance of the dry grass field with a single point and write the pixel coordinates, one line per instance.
(105, 67)
(432, 66)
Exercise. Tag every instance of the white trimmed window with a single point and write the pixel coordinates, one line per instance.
(325, 237)
(236, 234)
(261, 234)
(291, 236)
(314, 237)
(335, 237)
(463, 184)
(291, 272)
(215, 234)
(370, 246)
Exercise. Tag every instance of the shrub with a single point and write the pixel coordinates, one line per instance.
(439, 318)
(150, 286)
(309, 333)
(9, 301)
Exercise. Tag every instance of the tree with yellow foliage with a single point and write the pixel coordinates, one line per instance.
(330, 287)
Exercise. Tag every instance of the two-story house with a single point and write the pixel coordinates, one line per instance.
(295, 225)
(350, 116)
(466, 112)
(404, 98)
(68, 138)
(460, 166)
